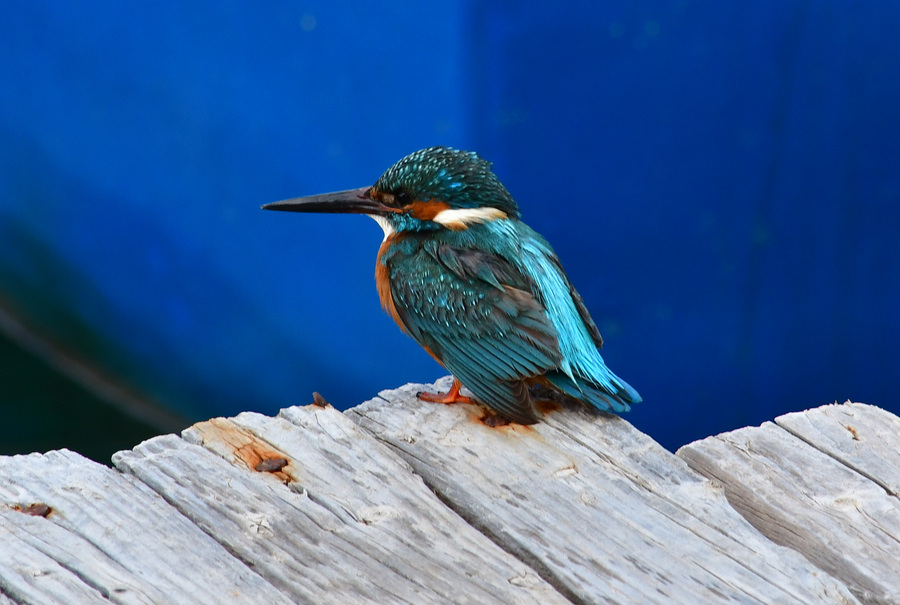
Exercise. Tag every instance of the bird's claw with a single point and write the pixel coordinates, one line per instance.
(451, 396)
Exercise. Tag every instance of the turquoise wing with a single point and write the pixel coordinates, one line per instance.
(583, 374)
(476, 312)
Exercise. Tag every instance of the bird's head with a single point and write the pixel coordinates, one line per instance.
(434, 188)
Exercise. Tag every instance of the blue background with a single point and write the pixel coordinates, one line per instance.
(720, 179)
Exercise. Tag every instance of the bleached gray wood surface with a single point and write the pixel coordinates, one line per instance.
(603, 511)
(823, 482)
(108, 538)
(352, 525)
(861, 436)
(400, 501)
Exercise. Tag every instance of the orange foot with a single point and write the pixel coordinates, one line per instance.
(451, 396)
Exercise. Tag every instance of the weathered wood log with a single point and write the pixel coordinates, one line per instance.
(344, 521)
(601, 510)
(861, 436)
(823, 482)
(400, 501)
(108, 538)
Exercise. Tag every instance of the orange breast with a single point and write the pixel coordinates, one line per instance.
(383, 282)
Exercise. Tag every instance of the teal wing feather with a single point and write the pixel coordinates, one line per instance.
(589, 324)
(476, 312)
(583, 375)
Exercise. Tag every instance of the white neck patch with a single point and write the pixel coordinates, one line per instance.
(455, 218)
(461, 218)
(384, 224)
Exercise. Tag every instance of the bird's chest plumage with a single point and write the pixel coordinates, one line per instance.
(383, 278)
(416, 288)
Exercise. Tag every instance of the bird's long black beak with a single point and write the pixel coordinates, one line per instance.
(352, 201)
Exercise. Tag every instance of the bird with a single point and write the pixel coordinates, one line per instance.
(483, 293)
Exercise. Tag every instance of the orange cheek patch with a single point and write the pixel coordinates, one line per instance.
(426, 211)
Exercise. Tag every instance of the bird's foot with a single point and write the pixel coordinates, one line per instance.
(451, 396)
(494, 420)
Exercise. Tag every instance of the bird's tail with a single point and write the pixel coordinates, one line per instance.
(616, 396)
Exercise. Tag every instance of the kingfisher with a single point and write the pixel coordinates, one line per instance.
(477, 288)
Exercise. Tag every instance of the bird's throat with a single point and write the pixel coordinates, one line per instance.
(384, 224)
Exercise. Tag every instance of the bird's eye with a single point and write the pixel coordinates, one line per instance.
(403, 198)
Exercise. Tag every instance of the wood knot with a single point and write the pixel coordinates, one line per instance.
(271, 465)
(38, 509)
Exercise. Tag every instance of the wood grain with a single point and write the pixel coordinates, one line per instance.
(605, 513)
(108, 538)
(801, 497)
(401, 501)
(864, 437)
(344, 521)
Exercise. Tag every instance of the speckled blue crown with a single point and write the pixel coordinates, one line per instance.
(462, 179)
